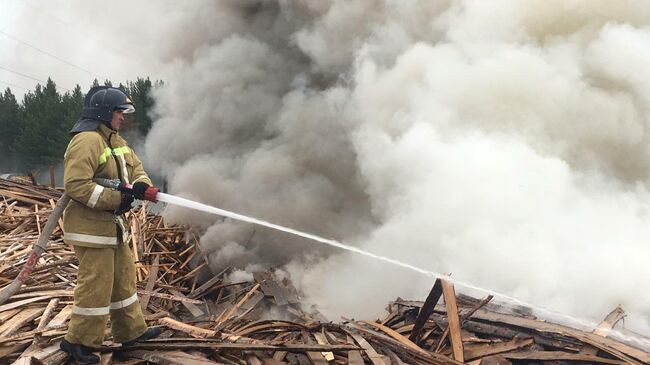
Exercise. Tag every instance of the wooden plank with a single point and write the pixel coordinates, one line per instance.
(232, 310)
(322, 340)
(207, 285)
(57, 358)
(253, 360)
(33, 190)
(394, 359)
(49, 293)
(186, 328)
(220, 345)
(30, 334)
(610, 321)
(22, 318)
(619, 350)
(20, 303)
(6, 315)
(454, 322)
(271, 287)
(491, 360)
(170, 357)
(392, 333)
(23, 361)
(279, 355)
(250, 304)
(268, 325)
(494, 330)
(398, 346)
(426, 310)
(316, 358)
(559, 356)
(151, 281)
(176, 298)
(604, 328)
(372, 354)
(19, 197)
(463, 319)
(473, 352)
(61, 317)
(354, 358)
(11, 349)
(138, 245)
(272, 361)
(41, 353)
(196, 311)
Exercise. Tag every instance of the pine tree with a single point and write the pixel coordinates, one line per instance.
(124, 88)
(140, 92)
(39, 144)
(71, 108)
(10, 122)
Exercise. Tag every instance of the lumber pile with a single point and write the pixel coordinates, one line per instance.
(208, 319)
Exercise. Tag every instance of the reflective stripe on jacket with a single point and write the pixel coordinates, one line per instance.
(89, 220)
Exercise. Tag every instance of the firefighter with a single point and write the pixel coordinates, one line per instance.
(94, 223)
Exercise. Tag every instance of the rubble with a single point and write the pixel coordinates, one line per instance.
(209, 320)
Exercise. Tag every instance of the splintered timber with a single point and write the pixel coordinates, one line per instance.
(210, 320)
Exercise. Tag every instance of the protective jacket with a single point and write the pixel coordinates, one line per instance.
(89, 220)
(106, 283)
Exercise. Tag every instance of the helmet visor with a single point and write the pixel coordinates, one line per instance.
(126, 108)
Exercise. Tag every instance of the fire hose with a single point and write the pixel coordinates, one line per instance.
(46, 232)
(153, 194)
(37, 250)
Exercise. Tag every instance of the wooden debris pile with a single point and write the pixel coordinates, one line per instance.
(209, 319)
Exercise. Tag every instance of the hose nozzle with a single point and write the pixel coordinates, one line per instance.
(150, 194)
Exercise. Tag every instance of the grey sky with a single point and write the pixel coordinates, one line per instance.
(72, 33)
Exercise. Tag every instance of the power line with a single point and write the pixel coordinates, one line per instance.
(14, 85)
(79, 32)
(30, 77)
(21, 74)
(50, 54)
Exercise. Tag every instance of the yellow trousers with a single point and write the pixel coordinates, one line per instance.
(105, 285)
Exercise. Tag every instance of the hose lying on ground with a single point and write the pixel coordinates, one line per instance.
(37, 251)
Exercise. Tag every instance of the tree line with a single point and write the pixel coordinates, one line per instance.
(34, 132)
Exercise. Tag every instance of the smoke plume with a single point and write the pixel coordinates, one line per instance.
(502, 142)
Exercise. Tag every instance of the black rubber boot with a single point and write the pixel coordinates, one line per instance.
(150, 333)
(79, 353)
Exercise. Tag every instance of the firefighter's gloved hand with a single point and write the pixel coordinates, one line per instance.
(125, 204)
(138, 189)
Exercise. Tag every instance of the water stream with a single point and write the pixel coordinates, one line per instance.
(547, 314)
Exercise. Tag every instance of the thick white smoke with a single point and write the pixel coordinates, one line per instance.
(501, 141)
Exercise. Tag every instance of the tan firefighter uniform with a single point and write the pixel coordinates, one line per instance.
(106, 276)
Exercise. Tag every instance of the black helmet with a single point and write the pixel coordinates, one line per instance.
(101, 101)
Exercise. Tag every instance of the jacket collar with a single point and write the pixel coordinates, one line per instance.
(105, 131)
